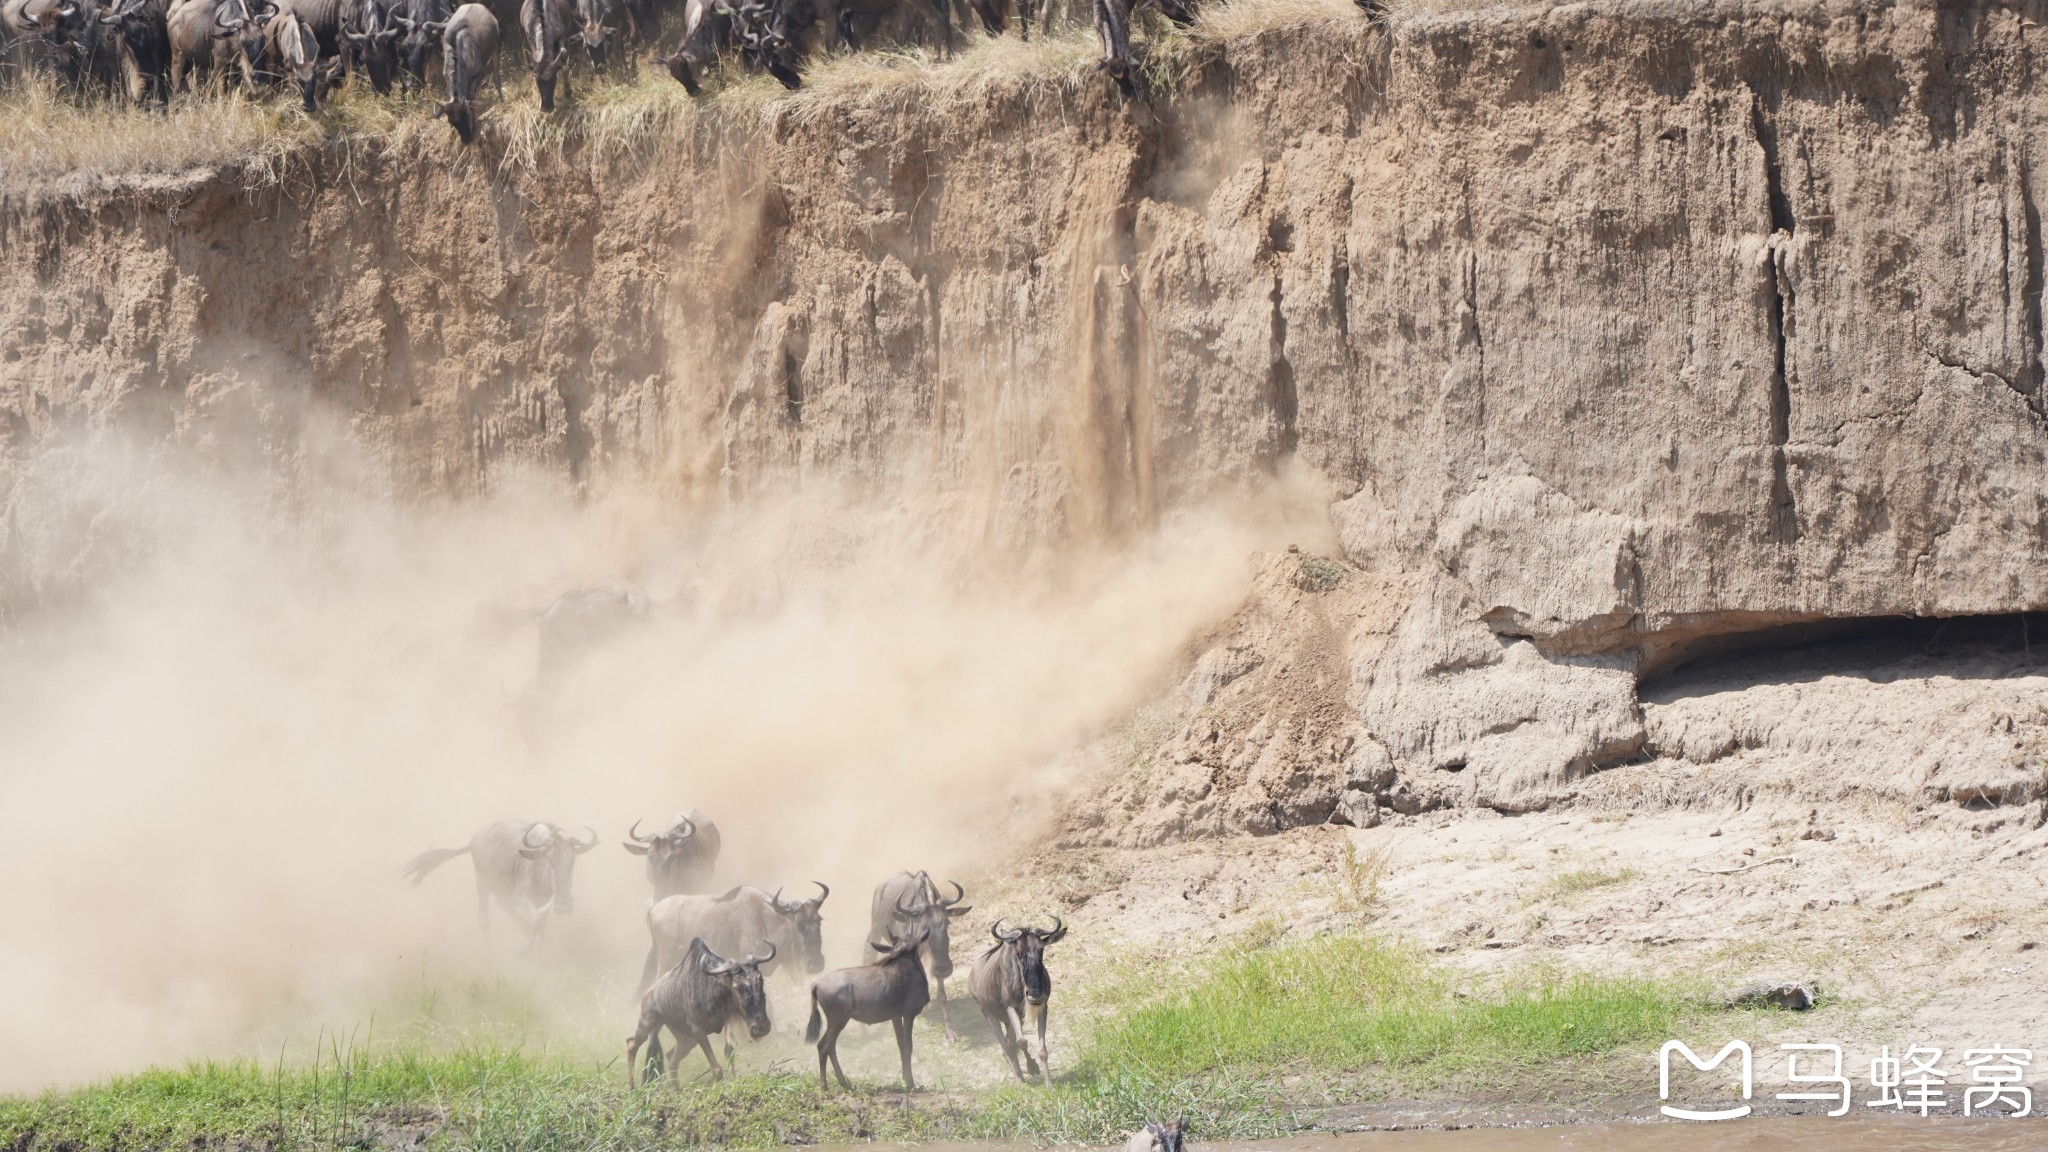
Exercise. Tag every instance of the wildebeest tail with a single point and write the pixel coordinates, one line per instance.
(817, 1024)
(418, 868)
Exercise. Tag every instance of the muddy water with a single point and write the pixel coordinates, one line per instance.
(1756, 1134)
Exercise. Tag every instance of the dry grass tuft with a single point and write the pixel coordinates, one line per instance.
(1242, 19)
(47, 136)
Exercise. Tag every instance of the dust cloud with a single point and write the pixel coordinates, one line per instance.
(236, 692)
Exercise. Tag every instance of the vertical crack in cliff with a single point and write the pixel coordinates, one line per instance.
(2033, 370)
(1784, 507)
(1281, 398)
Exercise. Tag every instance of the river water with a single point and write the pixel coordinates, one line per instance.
(1753, 1134)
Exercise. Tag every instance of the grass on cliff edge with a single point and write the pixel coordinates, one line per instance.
(1214, 1048)
(47, 134)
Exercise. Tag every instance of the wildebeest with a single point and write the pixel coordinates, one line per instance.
(697, 998)
(299, 45)
(908, 904)
(529, 869)
(140, 37)
(707, 28)
(469, 44)
(217, 35)
(1010, 984)
(582, 620)
(1157, 1137)
(1113, 29)
(546, 24)
(421, 23)
(892, 988)
(680, 858)
(61, 35)
(372, 38)
(858, 19)
(776, 36)
(734, 922)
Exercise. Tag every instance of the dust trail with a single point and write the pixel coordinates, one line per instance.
(235, 695)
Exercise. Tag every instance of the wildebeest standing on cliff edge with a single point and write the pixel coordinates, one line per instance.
(892, 988)
(547, 25)
(908, 904)
(468, 46)
(529, 869)
(1010, 984)
(697, 998)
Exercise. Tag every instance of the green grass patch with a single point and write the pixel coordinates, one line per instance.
(1252, 1044)
(1343, 1004)
(1581, 880)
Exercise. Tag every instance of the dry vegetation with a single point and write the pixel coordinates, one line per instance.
(48, 136)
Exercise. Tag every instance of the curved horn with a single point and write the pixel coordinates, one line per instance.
(776, 899)
(634, 835)
(913, 910)
(582, 846)
(823, 891)
(1059, 931)
(994, 930)
(526, 837)
(685, 824)
(959, 894)
(752, 961)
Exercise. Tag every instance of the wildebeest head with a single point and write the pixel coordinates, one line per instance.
(1166, 1135)
(809, 919)
(374, 40)
(549, 845)
(743, 977)
(900, 946)
(924, 910)
(1028, 946)
(667, 852)
(461, 116)
(246, 26)
(298, 53)
(415, 45)
(771, 35)
(595, 18)
(546, 65)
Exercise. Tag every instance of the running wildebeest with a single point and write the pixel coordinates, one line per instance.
(707, 27)
(1157, 1137)
(582, 620)
(695, 999)
(892, 988)
(909, 903)
(529, 869)
(469, 43)
(734, 922)
(1010, 984)
(681, 858)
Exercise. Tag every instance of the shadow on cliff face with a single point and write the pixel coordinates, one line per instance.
(238, 697)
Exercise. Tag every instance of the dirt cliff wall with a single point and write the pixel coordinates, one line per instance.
(1617, 327)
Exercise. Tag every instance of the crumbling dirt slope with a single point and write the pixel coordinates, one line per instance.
(1618, 329)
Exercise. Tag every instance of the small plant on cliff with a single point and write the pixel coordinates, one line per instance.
(1360, 878)
(1317, 574)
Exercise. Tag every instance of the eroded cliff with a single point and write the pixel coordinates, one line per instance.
(1621, 331)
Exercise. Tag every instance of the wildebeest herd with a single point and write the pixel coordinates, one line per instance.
(708, 954)
(147, 50)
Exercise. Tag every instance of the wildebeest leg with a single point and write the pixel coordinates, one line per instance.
(1013, 1033)
(642, 1034)
(903, 1025)
(945, 1014)
(1040, 1012)
(704, 1042)
(828, 1046)
(1000, 1025)
(657, 1060)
